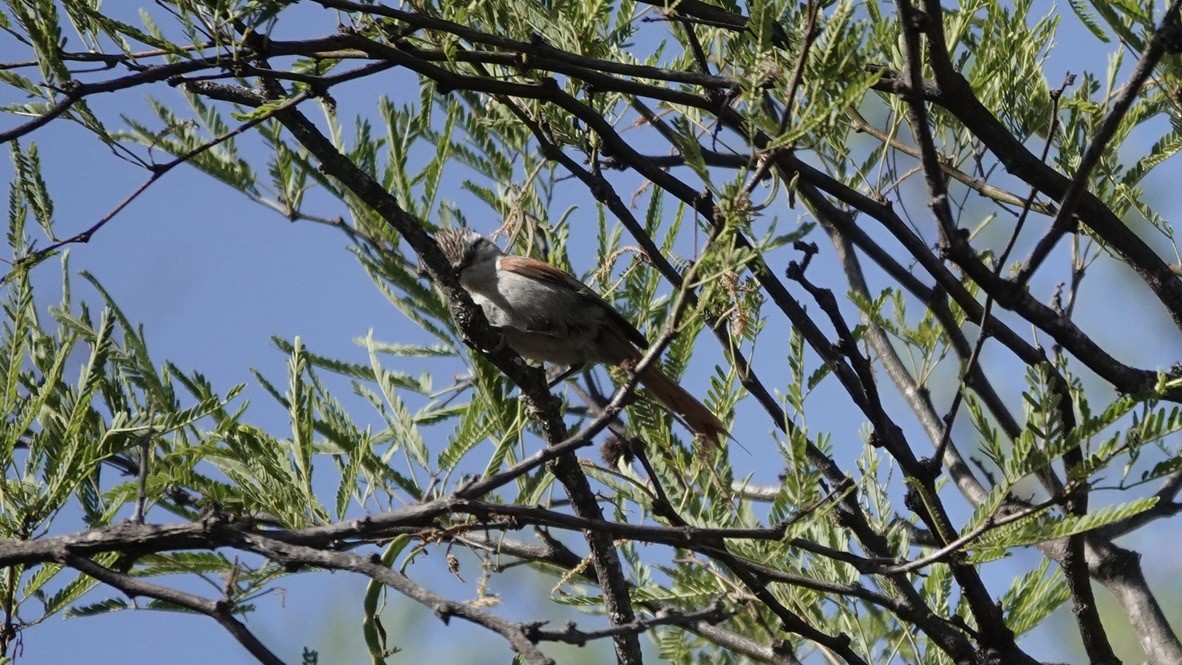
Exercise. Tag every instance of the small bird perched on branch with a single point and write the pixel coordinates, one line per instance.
(547, 315)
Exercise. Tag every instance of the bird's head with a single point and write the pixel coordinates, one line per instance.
(463, 247)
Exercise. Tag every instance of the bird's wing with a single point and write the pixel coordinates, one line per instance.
(542, 271)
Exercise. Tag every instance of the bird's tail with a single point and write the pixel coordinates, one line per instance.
(697, 417)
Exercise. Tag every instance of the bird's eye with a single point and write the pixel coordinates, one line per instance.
(469, 256)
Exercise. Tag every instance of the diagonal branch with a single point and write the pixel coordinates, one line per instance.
(475, 327)
(1064, 218)
(220, 611)
(297, 555)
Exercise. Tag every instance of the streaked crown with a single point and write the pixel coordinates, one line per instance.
(460, 246)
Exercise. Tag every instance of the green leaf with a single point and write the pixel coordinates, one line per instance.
(95, 609)
(1033, 597)
(1089, 20)
(1039, 528)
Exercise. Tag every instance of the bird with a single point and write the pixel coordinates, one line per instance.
(547, 315)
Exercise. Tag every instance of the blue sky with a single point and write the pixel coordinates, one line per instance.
(213, 276)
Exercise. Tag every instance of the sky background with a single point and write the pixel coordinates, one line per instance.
(213, 277)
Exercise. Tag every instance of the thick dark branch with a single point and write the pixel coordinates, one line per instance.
(957, 97)
(603, 191)
(850, 512)
(475, 327)
(995, 634)
(1064, 218)
(1123, 377)
(917, 396)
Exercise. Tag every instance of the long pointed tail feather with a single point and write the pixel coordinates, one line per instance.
(699, 419)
